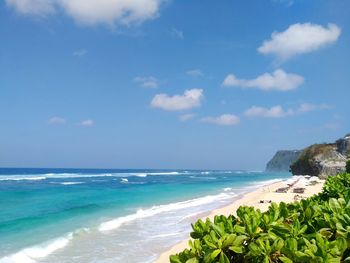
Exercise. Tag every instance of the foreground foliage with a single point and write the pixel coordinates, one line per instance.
(314, 230)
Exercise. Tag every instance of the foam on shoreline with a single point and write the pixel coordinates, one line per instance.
(143, 213)
(34, 253)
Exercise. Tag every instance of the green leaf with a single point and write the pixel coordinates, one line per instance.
(215, 253)
(223, 258)
(278, 244)
(192, 260)
(334, 205)
(291, 244)
(236, 249)
(341, 244)
(254, 249)
(174, 259)
(285, 260)
(239, 229)
(229, 239)
(333, 260)
(208, 241)
(218, 229)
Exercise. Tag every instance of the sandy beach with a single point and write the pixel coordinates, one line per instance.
(260, 199)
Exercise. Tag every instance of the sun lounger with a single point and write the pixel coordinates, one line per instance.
(299, 190)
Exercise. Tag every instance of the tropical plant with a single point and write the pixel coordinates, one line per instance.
(314, 230)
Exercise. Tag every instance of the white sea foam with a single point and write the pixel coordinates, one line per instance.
(141, 174)
(49, 176)
(41, 251)
(207, 177)
(190, 215)
(153, 173)
(227, 189)
(164, 173)
(267, 182)
(124, 180)
(32, 254)
(78, 175)
(71, 183)
(165, 235)
(20, 178)
(116, 223)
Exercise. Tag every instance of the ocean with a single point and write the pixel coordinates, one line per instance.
(109, 215)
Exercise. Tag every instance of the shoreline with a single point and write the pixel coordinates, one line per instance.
(253, 198)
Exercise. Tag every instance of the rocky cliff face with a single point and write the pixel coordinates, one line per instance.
(323, 160)
(343, 146)
(282, 160)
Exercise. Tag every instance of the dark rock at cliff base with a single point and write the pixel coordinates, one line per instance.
(282, 160)
(323, 160)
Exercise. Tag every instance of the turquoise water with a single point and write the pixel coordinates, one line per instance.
(71, 215)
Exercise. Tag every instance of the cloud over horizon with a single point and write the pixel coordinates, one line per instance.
(195, 73)
(278, 111)
(278, 80)
(87, 123)
(224, 120)
(56, 121)
(300, 39)
(190, 99)
(92, 12)
(273, 112)
(147, 82)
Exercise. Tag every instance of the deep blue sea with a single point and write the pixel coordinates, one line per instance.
(88, 215)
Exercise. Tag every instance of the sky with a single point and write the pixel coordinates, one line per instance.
(194, 84)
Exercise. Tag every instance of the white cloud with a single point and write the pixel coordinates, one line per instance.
(287, 2)
(224, 119)
(300, 39)
(176, 33)
(57, 121)
(32, 7)
(306, 107)
(147, 82)
(195, 73)
(87, 123)
(92, 12)
(187, 117)
(273, 112)
(190, 99)
(278, 80)
(278, 111)
(80, 52)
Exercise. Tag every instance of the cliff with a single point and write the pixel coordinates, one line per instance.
(323, 160)
(282, 160)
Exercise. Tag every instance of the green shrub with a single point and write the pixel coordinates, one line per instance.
(348, 166)
(313, 230)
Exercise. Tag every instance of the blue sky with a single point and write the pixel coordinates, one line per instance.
(170, 84)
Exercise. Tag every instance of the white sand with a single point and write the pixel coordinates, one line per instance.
(253, 199)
